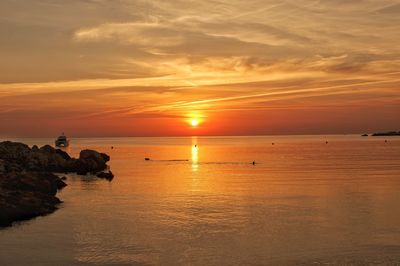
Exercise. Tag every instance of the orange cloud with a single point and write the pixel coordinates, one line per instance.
(244, 67)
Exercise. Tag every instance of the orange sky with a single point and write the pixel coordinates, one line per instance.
(145, 68)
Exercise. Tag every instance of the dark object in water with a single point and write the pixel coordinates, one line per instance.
(254, 162)
(106, 175)
(147, 159)
(273, 143)
(112, 147)
(326, 142)
(364, 135)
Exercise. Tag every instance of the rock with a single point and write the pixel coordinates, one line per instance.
(41, 182)
(63, 154)
(2, 166)
(50, 159)
(28, 186)
(364, 135)
(24, 195)
(93, 160)
(13, 150)
(106, 175)
(106, 158)
(90, 154)
(47, 149)
(18, 205)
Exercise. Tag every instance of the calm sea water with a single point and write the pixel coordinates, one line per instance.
(304, 202)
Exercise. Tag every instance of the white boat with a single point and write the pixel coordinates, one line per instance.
(62, 141)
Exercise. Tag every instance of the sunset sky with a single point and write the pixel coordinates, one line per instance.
(148, 68)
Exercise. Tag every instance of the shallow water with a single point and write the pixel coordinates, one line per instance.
(304, 202)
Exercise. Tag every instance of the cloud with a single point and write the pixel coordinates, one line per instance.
(127, 59)
(138, 33)
(390, 9)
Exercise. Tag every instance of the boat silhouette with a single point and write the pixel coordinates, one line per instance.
(62, 141)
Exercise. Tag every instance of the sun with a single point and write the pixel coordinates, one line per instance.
(194, 122)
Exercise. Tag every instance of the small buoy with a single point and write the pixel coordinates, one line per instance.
(112, 147)
(273, 143)
(254, 162)
(326, 142)
(195, 146)
(385, 140)
(147, 159)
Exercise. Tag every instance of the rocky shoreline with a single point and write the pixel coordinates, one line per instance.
(28, 183)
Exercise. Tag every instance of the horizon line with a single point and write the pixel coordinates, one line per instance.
(191, 136)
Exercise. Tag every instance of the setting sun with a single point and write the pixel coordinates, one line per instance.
(194, 122)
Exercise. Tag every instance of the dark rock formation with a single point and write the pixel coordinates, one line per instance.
(18, 205)
(106, 175)
(91, 161)
(387, 134)
(24, 195)
(20, 157)
(28, 186)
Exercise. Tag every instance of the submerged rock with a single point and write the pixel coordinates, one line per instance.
(106, 175)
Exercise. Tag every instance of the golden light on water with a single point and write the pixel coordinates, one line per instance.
(195, 154)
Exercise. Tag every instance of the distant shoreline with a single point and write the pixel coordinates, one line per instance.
(386, 134)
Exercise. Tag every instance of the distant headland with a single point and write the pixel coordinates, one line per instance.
(28, 185)
(384, 134)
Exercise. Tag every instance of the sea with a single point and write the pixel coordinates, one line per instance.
(306, 200)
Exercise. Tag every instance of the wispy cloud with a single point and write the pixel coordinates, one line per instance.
(130, 60)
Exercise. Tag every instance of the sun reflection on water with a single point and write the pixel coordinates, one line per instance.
(195, 154)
